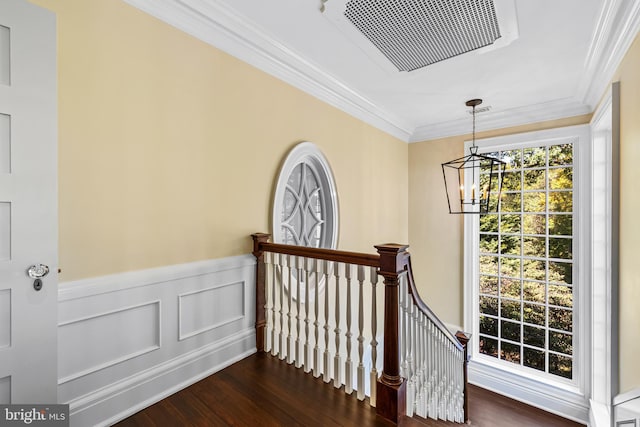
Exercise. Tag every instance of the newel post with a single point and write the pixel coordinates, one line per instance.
(391, 387)
(261, 322)
(463, 339)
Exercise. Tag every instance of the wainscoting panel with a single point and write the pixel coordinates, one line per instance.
(5, 318)
(214, 307)
(626, 409)
(128, 340)
(5, 390)
(104, 344)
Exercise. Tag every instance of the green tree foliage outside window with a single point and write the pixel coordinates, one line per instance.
(526, 263)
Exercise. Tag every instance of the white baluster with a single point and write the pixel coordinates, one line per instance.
(402, 336)
(452, 382)
(307, 319)
(299, 265)
(274, 310)
(337, 361)
(414, 354)
(348, 365)
(316, 322)
(327, 354)
(422, 385)
(290, 338)
(461, 362)
(432, 377)
(283, 262)
(373, 376)
(445, 376)
(268, 303)
(360, 371)
(408, 357)
(440, 375)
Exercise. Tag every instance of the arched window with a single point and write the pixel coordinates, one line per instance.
(305, 207)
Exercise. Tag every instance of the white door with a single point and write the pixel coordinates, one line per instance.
(28, 203)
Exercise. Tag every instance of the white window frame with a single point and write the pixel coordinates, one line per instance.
(565, 397)
(309, 154)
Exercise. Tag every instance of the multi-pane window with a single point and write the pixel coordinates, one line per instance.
(525, 257)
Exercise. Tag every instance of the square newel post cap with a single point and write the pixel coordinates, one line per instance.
(392, 257)
(259, 238)
(463, 337)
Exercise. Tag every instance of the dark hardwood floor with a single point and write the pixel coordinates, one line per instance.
(264, 391)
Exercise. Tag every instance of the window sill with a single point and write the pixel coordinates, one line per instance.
(565, 401)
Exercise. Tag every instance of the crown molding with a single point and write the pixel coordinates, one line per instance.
(618, 25)
(217, 25)
(553, 110)
(220, 26)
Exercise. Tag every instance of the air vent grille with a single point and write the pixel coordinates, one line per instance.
(415, 33)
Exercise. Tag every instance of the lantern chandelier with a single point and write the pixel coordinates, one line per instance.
(473, 183)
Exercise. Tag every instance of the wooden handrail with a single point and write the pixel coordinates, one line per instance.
(422, 306)
(357, 258)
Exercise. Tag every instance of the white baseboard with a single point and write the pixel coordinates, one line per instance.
(126, 341)
(118, 401)
(552, 399)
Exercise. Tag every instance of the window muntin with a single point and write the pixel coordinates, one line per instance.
(525, 255)
(305, 205)
(304, 210)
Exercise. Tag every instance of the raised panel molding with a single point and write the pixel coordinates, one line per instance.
(102, 344)
(5, 390)
(626, 408)
(128, 340)
(5, 318)
(217, 306)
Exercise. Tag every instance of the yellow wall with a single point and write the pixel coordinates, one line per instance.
(629, 76)
(168, 147)
(435, 236)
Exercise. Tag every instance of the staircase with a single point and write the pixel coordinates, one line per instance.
(356, 321)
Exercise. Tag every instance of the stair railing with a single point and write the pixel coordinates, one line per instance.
(314, 305)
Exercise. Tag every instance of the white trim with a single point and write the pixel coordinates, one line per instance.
(122, 383)
(618, 25)
(604, 131)
(627, 397)
(124, 357)
(553, 110)
(220, 26)
(216, 24)
(599, 414)
(309, 154)
(182, 336)
(539, 394)
(93, 286)
(159, 381)
(626, 409)
(514, 378)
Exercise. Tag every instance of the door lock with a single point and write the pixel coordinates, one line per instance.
(36, 272)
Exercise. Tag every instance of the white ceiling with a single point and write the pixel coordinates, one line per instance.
(559, 63)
